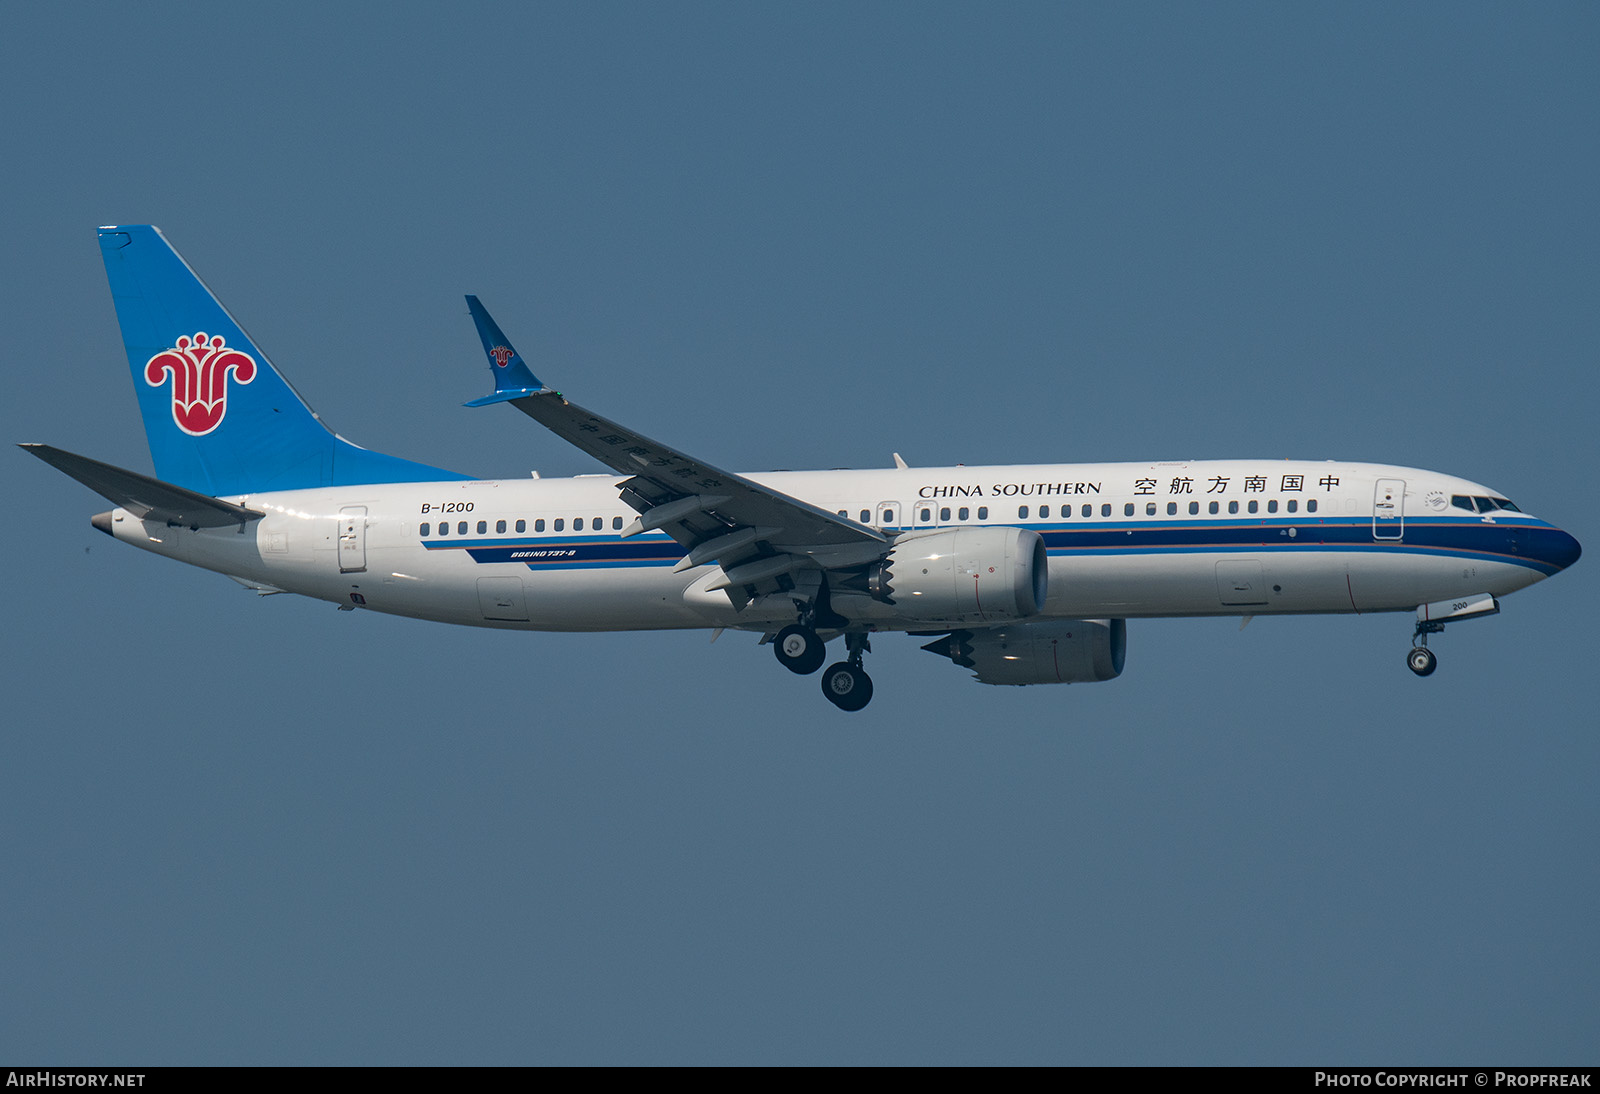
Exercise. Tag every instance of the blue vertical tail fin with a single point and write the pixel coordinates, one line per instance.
(219, 417)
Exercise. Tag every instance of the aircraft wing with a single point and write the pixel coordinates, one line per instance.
(758, 535)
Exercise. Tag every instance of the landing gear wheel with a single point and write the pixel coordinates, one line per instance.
(847, 686)
(1421, 660)
(799, 649)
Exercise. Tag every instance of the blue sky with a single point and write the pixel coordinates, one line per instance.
(260, 831)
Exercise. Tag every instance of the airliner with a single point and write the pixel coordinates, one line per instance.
(1023, 574)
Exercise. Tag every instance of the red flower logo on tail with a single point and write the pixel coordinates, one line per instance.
(199, 367)
(502, 355)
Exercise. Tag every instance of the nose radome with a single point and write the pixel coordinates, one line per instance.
(1559, 549)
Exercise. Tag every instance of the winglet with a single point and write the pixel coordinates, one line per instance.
(512, 377)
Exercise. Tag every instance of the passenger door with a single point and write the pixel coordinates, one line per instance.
(1388, 509)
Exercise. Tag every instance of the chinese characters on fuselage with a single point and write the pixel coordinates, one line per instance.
(1177, 484)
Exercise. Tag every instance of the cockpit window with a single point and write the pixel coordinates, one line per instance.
(1481, 505)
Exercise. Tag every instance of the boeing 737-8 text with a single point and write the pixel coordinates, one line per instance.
(1023, 574)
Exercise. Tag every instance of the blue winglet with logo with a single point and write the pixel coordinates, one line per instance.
(219, 417)
(512, 377)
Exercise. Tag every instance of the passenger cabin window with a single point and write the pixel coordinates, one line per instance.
(1272, 506)
(444, 528)
(1172, 508)
(616, 524)
(963, 513)
(560, 524)
(1022, 512)
(944, 514)
(866, 516)
(522, 526)
(1044, 510)
(577, 524)
(1212, 509)
(1233, 507)
(483, 527)
(1149, 508)
(1105, 510)
(1194, 508)
(1088, 511)
(983, 512)
(1294, 506)
(1127, 510)
(1255, 506)
(461, 529)
(499, 526)
(925, 515)
(598, 524)
(538, 524)
(425, 529)
(1311, 505)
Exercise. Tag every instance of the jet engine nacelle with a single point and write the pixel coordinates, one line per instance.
(966, 575)
(1062, 651)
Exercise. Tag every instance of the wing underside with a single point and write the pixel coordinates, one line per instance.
(763, 539)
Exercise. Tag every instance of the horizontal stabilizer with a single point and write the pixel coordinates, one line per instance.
(144, 497)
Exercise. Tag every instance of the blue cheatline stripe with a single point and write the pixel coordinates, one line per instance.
(1519, 544)
(550, 553)
(1523, 543)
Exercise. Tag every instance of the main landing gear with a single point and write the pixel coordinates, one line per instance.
(799, 649)
(846, 683)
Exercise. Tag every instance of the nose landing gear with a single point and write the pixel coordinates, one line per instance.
(1421, 660)
(1431, 619)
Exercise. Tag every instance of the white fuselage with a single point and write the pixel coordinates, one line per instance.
(1180, 538)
